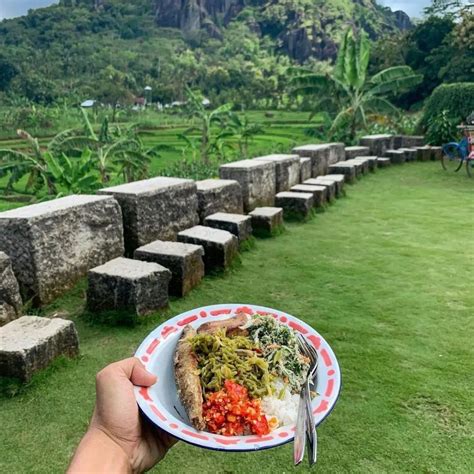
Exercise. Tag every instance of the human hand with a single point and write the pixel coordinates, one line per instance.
(117, 420)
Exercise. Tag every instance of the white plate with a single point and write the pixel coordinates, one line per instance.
(161, 403)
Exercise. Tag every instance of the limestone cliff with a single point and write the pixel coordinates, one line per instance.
(302, 28)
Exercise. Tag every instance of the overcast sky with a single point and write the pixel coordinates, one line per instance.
(11, 8)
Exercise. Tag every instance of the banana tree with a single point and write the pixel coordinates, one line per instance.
(74, 175)
(244, 132)
(348, 88)
(29, 162)
(206, 119)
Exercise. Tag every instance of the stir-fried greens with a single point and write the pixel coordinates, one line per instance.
(222, 358)
(279, 346)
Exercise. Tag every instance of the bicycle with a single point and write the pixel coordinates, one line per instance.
(456, 154)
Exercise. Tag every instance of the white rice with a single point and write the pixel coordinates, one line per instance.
(285, 408)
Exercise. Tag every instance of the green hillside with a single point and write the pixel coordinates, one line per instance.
(230, 50)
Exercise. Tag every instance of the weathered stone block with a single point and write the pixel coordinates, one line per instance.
(362, 164)
(266, 221)
(410, 153)
(218, 195)
(185, 261)
(397, 142)
(320, 193)
(338, 180)
(423, 153)
(237, 224)
(383, 162)
(378, 144)
(54, 243)
(10, 299)
(305, 169)
(296, 205)
(358, 167)
(337, 153)
(355, 151)
(410, 141)
(126, 284)
(31, 343)
(256, 178)
(372, 162)
(396, 156)
(320, 156)
(155, 209)
(436, 153)
(347, 169)
(287, 170)
(220, 246)
(328, 183)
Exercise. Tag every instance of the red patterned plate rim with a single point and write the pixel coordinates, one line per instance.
(163, 340)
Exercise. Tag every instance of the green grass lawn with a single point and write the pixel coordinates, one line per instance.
(385, 275)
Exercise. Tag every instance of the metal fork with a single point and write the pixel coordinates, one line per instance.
(305, 419)
(309, 351)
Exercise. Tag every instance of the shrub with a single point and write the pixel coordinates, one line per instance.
(442, 129)
(448, 105)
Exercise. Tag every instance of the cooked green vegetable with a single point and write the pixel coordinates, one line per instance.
(279, 345)
(234, 358)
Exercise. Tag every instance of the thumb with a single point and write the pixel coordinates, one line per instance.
(140, 376)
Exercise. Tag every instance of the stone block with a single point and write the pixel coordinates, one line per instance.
(397, 142)
(320, 156)
(436, 153)
(410, 141)
(396, 156)
(220, 246)
(218, 195)
(185, 262)
(237, 224)
(266, 221)
(383, 162)
(410, 153)
(31, 343)
(346, 169)
(372, 160)
(10, 299)
(126, 284)
(378, 144)
(337, 153)
(155, 209)
(363, 163)
(54, 243)
(320, 193)
(327, 182)
(359, 167)
(423, 153)
(287, 170)
(305, 169)
(256, 178)
(338, 180)
(355, 151)
(296, 205)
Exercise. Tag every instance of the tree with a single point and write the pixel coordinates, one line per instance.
(206, 119)
(115, 88)
(349, 88)
(244, 131)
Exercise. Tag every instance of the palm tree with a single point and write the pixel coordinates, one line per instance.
(348, 87)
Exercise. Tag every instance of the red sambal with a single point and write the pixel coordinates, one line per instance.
(230, 412)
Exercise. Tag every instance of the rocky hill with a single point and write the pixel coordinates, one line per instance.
(302, 28)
